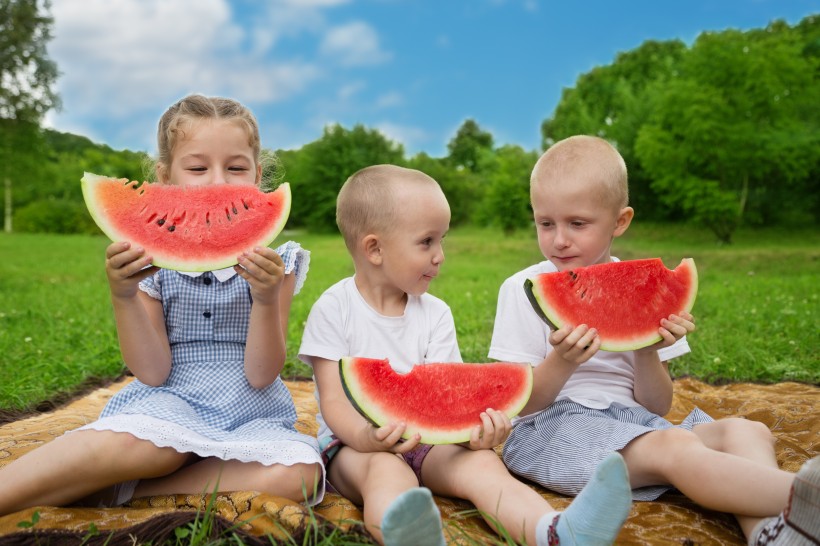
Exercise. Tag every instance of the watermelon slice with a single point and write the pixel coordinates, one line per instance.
(440, 401)
(625, 301)
(199, 228)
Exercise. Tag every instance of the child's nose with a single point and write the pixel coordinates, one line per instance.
(561, 240)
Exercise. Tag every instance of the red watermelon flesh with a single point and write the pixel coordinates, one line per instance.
(440, 401)
(625, 301)
(199, 228)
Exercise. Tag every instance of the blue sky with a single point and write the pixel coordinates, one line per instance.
(414, 69)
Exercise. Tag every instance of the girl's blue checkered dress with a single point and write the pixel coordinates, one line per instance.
(206, 406)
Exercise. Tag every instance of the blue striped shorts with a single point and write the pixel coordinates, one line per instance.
(560, 447)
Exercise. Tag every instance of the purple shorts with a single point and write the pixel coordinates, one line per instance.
(414, 457)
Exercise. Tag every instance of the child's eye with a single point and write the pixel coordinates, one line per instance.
(197, 169)
(427, 242)
(237, 169)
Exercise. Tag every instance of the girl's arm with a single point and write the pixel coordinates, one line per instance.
(571, 348)
(272, 294)
(653, 384)
(346, 423)
(139, 318)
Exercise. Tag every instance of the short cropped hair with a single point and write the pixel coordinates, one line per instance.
(367, 201)
(591, 157)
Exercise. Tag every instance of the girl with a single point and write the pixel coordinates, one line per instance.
(207, 408)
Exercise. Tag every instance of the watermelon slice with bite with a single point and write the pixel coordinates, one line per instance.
(199, 228)
(440, 401)
(625, 301)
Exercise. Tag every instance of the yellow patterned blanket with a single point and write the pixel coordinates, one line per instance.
(791, 410)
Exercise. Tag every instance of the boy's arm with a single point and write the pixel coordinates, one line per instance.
(653, 385)
(348, 424)
(571, 348)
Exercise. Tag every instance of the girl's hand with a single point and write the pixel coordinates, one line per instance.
(575, 345)
(671, 330)
(494, 429)
(388, 438)
(264, 270)
(126, 267)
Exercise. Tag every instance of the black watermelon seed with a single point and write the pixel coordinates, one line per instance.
(160, 221)
(171, 228)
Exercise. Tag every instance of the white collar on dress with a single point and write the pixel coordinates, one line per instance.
(221, 275)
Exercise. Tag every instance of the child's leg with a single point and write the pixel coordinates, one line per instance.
(75, 465)
(481, 477)
(751, 440)
(382, 483)
(297, 482)
(716, 480)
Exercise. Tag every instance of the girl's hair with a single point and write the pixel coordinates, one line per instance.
(367, 203)
(592, 157)
(180, 117)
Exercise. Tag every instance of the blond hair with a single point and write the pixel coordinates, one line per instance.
(588, 157)
(180, 116)
(367, 202)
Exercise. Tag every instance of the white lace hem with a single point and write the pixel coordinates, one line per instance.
(166, 434)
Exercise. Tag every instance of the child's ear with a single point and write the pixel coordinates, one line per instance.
(623, 221)
(372, 249)
(258, 175)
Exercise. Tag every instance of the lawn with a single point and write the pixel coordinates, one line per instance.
(757, 307)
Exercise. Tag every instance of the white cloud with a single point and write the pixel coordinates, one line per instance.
(411, 137)
(389, 100)
(354, 44)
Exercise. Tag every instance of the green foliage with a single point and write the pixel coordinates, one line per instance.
(54, 216)
(612, 102)
(469, 144)
(27, 73)
(462, 187)
(736, 128)
(318, 170)
(506, 202)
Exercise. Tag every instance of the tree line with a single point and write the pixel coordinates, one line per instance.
(724, 132)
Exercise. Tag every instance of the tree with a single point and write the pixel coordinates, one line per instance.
(506, 203)
(468, 145)
(737, 129)
(27, 78)
(612, 102)
(319, 169)
(26, 73)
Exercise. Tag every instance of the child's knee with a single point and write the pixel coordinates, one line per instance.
(296, 482)
(744, 431)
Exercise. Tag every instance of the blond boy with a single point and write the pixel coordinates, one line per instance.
(588, 404)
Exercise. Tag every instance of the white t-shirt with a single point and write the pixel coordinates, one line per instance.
(520, 335)
(341, 323)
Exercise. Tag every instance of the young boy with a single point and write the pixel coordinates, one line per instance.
(587, 404)
(394, 221)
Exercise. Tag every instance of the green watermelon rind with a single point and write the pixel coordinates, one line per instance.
(555, 322)
(90, 179)
(377, 418)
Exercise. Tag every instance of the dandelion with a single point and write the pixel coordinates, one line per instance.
(716, 360)
(27, 340)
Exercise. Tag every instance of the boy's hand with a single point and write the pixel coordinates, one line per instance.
(125, 267)
(494, 429)
(388, 438)
(575, 345)
(671, 330)
(264, 270)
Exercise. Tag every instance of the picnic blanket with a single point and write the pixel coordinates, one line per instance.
(790, 410)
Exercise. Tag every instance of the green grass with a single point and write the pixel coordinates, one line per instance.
(757, 308)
